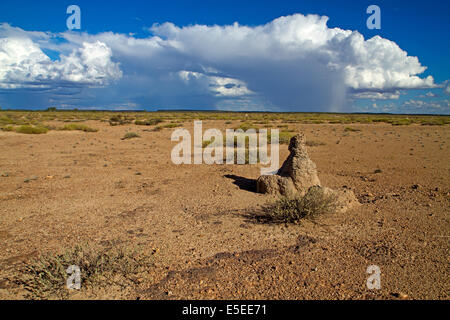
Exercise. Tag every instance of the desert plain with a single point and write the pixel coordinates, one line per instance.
(196, 225)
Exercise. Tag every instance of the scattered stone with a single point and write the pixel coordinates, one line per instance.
(30, 179)
(399, 295)
(6, 174)
(403, 295)
(416, 186)
(66, 177)
(138, 174)
(378, 171)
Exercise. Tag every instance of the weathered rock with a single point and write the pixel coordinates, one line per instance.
(297, 174)
(276, 184)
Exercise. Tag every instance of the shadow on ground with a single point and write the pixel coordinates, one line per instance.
(243, 183)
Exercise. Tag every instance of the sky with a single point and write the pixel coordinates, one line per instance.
(301, 56)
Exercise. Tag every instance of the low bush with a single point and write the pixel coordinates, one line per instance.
(46, 276)
(77, 126)
(130, 135)
(28, 129)
(294, 209)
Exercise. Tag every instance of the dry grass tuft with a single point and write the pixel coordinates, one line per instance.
(45, 277)
(294, 209)
(79, 127)
(130, 135)
(27, 129)
(312, 143)
(350, 129)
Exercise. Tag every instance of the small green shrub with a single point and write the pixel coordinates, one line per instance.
(27, 129)
(294, 209)
(120, 119)
(167, 126)
(80, 127)
(7, 128)
(172, 125)
(246, 126)
(149, 122)
(206, 143)
(350, 129)
(130, 135)
(284, 137)
(6, 120)
(401, 122)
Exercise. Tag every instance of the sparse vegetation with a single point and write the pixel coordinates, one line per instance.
(246, 126)
(157, 128)
(45, 277)
(7, 128)
(312, 143)
(120, 119)
(27, 129)
(51, 181)
(167, 126)
(80, 127)
(284, 137)
(350, 129)
(244, 160)
(21, 117)
(149, 122)
(294, 209)
(401, 122)
(130, 135)
(172, 125)
(210, 142)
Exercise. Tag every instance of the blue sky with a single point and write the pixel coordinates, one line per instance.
(168, 54)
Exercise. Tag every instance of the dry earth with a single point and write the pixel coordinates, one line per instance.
(195, 220)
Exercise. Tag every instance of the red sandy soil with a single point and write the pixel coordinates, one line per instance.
(194, 219)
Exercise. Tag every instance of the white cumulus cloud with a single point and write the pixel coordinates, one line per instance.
(24, 64)
(377, 95)
(371, 64)
(293, 63)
